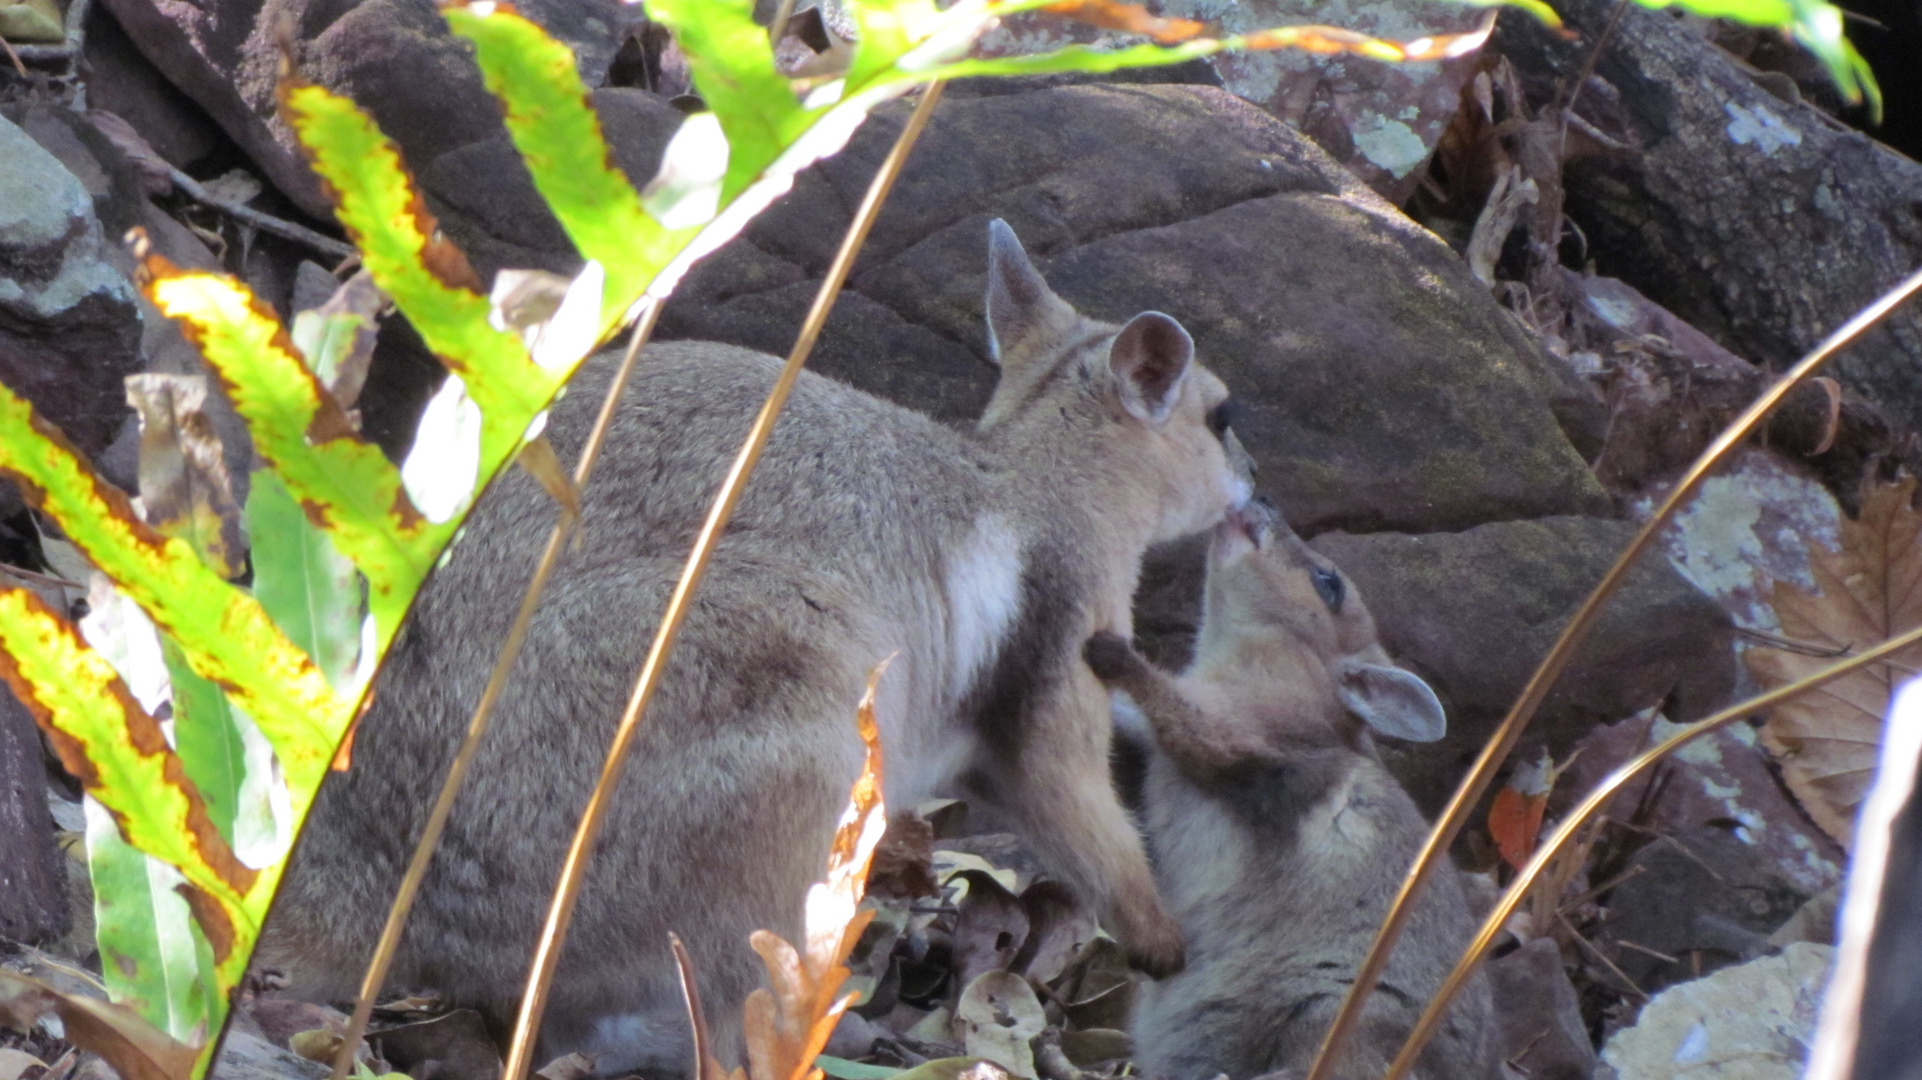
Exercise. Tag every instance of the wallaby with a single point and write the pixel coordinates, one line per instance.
(1279, 839)
(985, 557)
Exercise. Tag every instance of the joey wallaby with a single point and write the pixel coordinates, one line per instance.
(1278, 837)
(985, 557)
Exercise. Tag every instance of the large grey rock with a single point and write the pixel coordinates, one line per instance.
(486, 200)
(1473, 613)
(1379, 120)
(33, 883)
(1707, 898)
(1760, 221)
(69, 330)
(1382, 388)
(1540, 1014)
(395, 58)
(124, 82)
(1752, 1022)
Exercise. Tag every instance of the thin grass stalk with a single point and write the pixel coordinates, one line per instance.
(1448, 825)
(554, 932)
(1518, 889)
(477, 724)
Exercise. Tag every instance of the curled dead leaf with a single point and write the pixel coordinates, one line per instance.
(538, 458)
(136, 1049)
(997, 1017)
(183, 476)
(338, 337)
(1826, 740)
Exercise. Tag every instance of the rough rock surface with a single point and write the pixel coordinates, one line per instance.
(33, 884)
(1540, 1015)
(486, 201)
(1753, 1022)
(1430, 411)
(69, 330)
(1704, 898)
(394, 57)
(1474, 612)
(1379, 120)
(1722, 777)
(1761, 221)
(124, 82)
(1381, 387)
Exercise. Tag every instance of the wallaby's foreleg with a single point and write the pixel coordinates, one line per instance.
(1060, 788)
(1200, 746)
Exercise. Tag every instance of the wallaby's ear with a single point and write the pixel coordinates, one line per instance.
(1150, 358)
(1390, 700)
(1019, 300)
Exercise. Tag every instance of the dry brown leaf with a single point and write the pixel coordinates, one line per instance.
(1871, 590)
(574, 1066)
(1131, 18)
(338, 337)
(183, 474)
(904, 863)
(787, 1025)
(136, 1049)
(537, 457)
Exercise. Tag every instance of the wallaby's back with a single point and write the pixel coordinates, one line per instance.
(749, 743)
(982, 558)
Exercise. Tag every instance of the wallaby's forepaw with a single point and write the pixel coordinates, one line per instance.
(1110, 656)
(1158, 953)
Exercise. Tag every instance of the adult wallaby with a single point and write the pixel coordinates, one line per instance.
(985, 557)
(1278, 837)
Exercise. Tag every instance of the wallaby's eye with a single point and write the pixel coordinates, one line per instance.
(1328, 585)
(1221, 417)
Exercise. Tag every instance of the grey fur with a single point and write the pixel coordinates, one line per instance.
(985, 557)
(1278, 837)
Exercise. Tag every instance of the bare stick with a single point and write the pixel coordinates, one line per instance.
(554, 932)
(410, 882)
(1435, 848)
(264, 222)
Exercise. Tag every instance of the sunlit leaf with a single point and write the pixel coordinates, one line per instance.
(345, 484)
(207, 741)
(687, 190)
(309, 589)
(337, 338)
(547, 114)
(232, 764)
(152, 957)
(222, 631)
(122, 759)
(445, 463)
(425, 274)
(732, 63)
